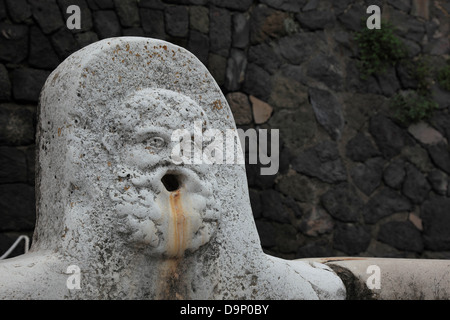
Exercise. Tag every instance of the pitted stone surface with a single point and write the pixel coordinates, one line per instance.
(112, 202)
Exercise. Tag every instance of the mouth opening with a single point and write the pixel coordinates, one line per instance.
(171, 182)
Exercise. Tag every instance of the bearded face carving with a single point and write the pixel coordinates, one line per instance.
(161, 208)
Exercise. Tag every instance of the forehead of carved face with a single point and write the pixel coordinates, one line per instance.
(158, 108)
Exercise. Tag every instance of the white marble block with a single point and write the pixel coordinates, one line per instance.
(116, 217)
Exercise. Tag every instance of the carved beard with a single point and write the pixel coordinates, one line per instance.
(165, 212)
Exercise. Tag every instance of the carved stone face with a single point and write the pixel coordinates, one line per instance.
(161, 208)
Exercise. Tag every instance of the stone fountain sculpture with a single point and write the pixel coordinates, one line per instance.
(112, 202)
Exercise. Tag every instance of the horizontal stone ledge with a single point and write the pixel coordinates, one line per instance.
(392, 278)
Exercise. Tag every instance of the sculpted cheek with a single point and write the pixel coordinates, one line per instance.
(145, 232)
(139, 157)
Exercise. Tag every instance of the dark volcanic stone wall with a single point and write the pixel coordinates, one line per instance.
(352, 181)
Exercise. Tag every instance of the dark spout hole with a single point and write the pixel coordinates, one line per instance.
(170, 182)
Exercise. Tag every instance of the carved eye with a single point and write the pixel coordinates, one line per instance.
(155, 142)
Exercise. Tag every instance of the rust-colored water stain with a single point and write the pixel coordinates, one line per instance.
(171, 282)
(179, 226)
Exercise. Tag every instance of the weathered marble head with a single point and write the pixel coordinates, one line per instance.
(111, 200)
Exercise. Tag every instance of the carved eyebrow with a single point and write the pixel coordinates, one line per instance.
(144, 133)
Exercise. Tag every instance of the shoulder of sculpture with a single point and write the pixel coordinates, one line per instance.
(32, 276)
(305, 280)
